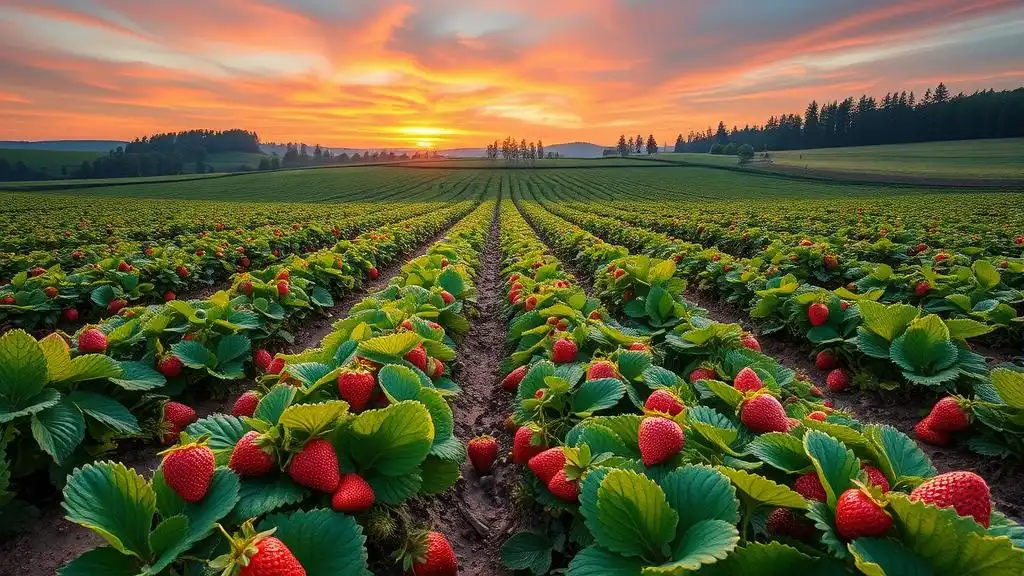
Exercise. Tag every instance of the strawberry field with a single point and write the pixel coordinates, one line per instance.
(584, 371)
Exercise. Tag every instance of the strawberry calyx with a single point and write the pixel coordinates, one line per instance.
(185, 442)
(243, 548)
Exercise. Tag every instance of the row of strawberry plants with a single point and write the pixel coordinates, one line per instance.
(320, 460)
(885, 346)
(686, 486)
(948, 283)
(63, 406)
(102, 279)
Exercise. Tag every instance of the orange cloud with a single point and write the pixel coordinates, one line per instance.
(352, 73)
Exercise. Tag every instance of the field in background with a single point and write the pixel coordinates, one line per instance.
(52, 160)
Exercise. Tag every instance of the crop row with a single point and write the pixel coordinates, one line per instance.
(98, 280)
(644, 471)
(886, 345)
(62, 406)
(340, 437)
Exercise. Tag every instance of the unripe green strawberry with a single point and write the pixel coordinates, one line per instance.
(353, 495)
(948, 416)
(858, 515)
(418, 357)
(246, 404)
(665, 402)
(522, 447)
(563, 351)
(512, 380)
(548, 463)
(188, 470)
(817, 314)
(249, 458)
(965, 492)
(747, 381)
(92, 341)
(433, 556)
(659, 439)
(482, 451)
(809, 486)
(601, 369)
(564, 489)
(316, 466)
(764, 413)
(356, 386)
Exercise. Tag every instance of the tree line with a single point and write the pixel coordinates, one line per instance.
(896, 118)
(634, 145)
(515, 152)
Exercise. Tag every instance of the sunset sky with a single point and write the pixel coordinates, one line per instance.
(450, 73)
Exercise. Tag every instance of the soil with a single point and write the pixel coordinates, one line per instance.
(476, 515)
(899, 410)
(52, 541)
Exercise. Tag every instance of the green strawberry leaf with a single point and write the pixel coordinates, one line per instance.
(704, 543)
(633, 517)
(59, 429)
(773, 559)
(595, 395)
(762, 490)
(782, 451)
(887, 557)
(273, 405)
(113, 501)
(224, 432)
(258, 497)
(597, 561)
(392, 441)
(439, 474)
(23, 370)
(393, 490)
(326, 543)
(102, 560)
(837, 466)
(313, 419)
(900, 457)
(527, 551)
(106, 410)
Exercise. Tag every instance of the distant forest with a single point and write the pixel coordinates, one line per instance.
(897, 118)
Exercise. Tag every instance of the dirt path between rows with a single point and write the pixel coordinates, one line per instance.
(899, 410)
(478, 514)
(52, 541)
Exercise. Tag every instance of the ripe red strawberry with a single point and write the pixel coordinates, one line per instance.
(548, 463)
(434, 557)
(809, 486)
(182, 271)
(817, 314)
(200, 253)
(747, 381)
(262, 359)
(965, 492)
(837, 380)
(619, 273)
(69, 315)
(816, 391)
(948, 416)
(563, 351)
(595, 315)
(246, 404)
(418, 357)
(564, 489)
(171, 367)
(638, 347)
(522, 448)
(170, 295)
(806, 243)
(844, 305)
(249, 457)
(922, 288)
(764, 413)
(703, 374)
(512, 380)
(825, 361)
(8, 300)
(659, 439)
(268, 556)
(601, 369)
(444, 262)
(941, 256)
(316, 466)
(353, 495)
(283, 274)
(123, 266)
(246, 288)
(176, 417)
(356, 386)
(188, 470)
(437, 368)
(482, 452)
(750, 342)
(51, 292)
(92, 341)
(531, 303)
(282, 288)
(665, 402)
(921, 247)
(875, 477)
(116, 305)
(784, 522)
(276, 366)
(447, 297)
(818, 415)
(858, 515)
(830, 261)
(373, 273)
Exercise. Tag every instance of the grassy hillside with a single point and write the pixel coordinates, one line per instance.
(232, 161)
(52, 160)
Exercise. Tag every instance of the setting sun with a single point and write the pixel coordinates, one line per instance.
(423, 144)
